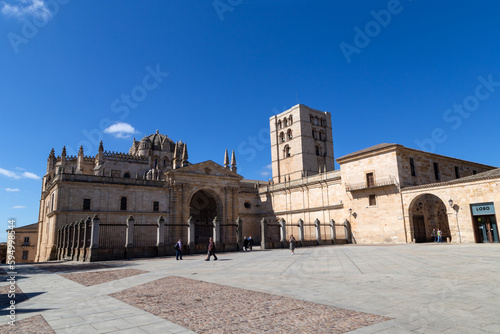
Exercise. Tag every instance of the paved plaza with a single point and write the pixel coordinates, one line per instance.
(414, 288)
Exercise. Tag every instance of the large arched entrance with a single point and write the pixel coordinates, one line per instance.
(428, 212)
(204, 206)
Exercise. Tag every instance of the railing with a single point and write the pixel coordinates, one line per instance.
(383, 182)
(305, 180)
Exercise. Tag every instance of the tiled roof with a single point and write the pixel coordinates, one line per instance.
(367, 150)
(27, 227)
(491, 174)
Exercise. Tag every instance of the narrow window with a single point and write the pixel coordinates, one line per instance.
(282, 137)
(25, 255)
(370, 181)
(156, 163)
(285, 122)
(318, 151)
(372, 200)
(52, 202)
(156, 206)
(457, 172)
(126, 175)
(26, 241)
(412, 167)
(436, 171)
(164, 162)
(289, 134)
(279, 125)
(474, 172)
(314, 133)
(286, 152)
(86, 204)
(290, 121)
(123, 203)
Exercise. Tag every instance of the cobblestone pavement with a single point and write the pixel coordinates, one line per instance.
(423, 288)
(90, 278)
(213, 308)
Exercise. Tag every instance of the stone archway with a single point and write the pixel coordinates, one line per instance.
(204, 206)
(428, 212)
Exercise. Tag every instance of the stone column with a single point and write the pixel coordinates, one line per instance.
(59, 241)
(129, 237)
(216, 223)
(347, 231)
(73, 241)
(160, 236)
(239, 233)
(191, 234)
(94, 239)
(332, 230)
(283, 232)
(263, 234)
(317, 225)
(78, 243)
(301, 231)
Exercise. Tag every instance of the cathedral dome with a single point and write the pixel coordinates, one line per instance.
(157, 142)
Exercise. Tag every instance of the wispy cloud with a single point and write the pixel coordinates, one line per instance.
(121, 130)
(267, 170)
(23, 8)
(17, 175)
(12, 189)
(18, 207)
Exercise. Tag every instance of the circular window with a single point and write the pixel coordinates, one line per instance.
(247, 205)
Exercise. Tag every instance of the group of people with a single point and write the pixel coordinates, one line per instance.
(210, 252)
(247, 243)
(437, 235)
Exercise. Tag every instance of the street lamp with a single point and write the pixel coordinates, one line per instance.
(450, 202)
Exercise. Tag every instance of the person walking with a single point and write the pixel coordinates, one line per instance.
(250, 242)
(434, 234)
(292, 243)
(178, 250)
(211, 250)
(245, 243)
(440, 235)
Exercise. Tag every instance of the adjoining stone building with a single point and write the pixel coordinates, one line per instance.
(25, 243)
(139, 203)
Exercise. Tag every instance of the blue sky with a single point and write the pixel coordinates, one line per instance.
(423, 74)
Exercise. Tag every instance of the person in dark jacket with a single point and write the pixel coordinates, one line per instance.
(250, 242)
(245, 243)
(211, 250)
(178, 250)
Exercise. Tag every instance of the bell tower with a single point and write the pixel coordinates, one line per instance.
(301, 143)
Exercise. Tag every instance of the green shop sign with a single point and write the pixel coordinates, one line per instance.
(481, 209)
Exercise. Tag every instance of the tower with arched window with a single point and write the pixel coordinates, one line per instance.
(301, 143)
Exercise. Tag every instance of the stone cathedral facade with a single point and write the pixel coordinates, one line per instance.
(136, 204)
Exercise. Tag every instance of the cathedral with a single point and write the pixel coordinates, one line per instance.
(138, 204)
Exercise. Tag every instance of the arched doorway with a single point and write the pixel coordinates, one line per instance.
(428, 212)
(204, 206)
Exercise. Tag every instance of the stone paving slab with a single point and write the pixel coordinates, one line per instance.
(425, 288)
